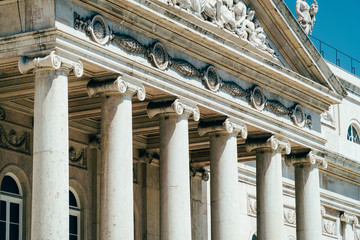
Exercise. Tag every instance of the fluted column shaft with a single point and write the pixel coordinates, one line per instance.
(175, 213)
(307, 195)
(117, 212)
(50, 179)
(225, 198)
(269, 190)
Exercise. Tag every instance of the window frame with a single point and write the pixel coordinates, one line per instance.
(75, 211)
(352, 138)
(12, 198)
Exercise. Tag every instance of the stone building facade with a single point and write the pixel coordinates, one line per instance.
(173, 120)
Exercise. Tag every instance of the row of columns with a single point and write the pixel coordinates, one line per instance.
(51, 173)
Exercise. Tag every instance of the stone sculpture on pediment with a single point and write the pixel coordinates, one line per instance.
(306, 14)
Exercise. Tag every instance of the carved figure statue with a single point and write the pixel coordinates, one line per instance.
(195, 6)
(240, 16)
(225, 17)
(209, 12)
(306, 14)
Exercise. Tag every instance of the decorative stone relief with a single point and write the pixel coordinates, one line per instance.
(232, 15)
(78, 155)
(158, 57)
(306, 14)
(10, 139)
(289, 217)
(329, 224)
(251, 206)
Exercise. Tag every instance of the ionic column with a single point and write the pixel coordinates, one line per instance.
(50, 185)
(225, 201)
(175, 217)
(307, 194)
(349, 223)
(269, 191)
(117, 215)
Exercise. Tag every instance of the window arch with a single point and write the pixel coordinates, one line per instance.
(11, 208)
(353, 134)
(74, 216)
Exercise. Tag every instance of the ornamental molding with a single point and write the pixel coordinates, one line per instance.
(98, 30)
(173, 107)
(118, 86)
(306, 158)
(251, 206)
(200, 173)
(289, 216)
(222, 126)
(78, 155)
(349, 219)
(51, 61)
(329, 224)
(14, 138)
(271, 143)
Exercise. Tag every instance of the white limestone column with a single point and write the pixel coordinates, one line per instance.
(50, 179)
(117, 214)
(349, 222)
(225, 198)
(269, 191)
(307, 194)
(175, 217)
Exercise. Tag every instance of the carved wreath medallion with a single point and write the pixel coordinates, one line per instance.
(257, 98)
(212, 79)
(99, 31)
(159, 57)
(298, 116)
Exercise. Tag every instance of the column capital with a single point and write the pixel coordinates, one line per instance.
(117, 86)
(51, 61)
(305, 158)
(349, 218)
(221, 126)
(173, 107)
(271, 143)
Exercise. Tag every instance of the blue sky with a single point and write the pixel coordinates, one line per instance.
(337, 24)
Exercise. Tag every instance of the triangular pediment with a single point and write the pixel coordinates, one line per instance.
(267, 28)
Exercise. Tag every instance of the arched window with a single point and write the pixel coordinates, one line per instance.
(353, 134)
(10, 209)
(254, 237)
(74, 221)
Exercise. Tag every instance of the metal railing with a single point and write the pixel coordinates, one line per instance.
(337, 57)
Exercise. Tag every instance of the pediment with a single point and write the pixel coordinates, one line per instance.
(265, 27)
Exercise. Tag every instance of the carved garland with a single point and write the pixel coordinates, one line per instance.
(98, 30)
(78, 157)
(13, 142)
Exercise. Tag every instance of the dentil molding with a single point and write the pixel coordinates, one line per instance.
(52, 61)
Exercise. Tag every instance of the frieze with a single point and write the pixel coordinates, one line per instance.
(78, 155)
(159, 58)
(11, 139)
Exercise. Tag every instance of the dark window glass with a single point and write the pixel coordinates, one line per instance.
(2, 230)
(14, 213)
(2, 210)
(8, 184)
(353, 135)
(72, 237)
(14, 232)
(72, 200)
(73, 224)
(254, 237)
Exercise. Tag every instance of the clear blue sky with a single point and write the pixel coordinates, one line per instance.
(337, 24)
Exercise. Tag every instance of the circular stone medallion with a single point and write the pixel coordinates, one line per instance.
(257, 98)
(298, 116)
(159, 57)
(212, 79)
(99, 30)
